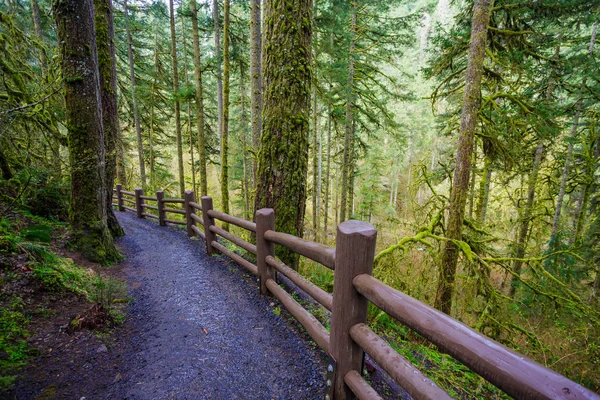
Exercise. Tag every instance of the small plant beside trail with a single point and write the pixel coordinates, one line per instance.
(33, 278)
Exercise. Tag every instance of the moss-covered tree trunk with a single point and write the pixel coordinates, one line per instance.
(136, 114)
(225, 117)
(108, 93)
(348, 142)
(484, 189)
(283, 156)
(246, 164)
(255, 81)
(176, 98)
(199, 100)
(79, 62)
(37, 26)
(217, 29)
(315, 204)
(462, 172)
(188, 108)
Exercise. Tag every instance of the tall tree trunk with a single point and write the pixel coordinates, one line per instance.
(108, 95)
(283, 157)
(79, 61)
(37, 26)
(225, 117)
(348, 142)
(327, 170)
(218, 66)
(460, 183)
(484, 190)
(314, 162)
(567, 166)
(152, 109)
(255, 82)
(472, 183)
(199, 100)
(526, 218)
(247, 176)
(189, 113)
(177, 102)
(136, 114)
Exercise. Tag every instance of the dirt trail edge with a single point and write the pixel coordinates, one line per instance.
(199, 328)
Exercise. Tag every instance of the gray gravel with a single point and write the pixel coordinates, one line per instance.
(199, 329)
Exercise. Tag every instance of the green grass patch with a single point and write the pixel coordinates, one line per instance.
(13, 342)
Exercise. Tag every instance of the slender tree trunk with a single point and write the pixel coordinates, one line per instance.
(567, 166)
(314, 162)
(108, 94)
(484, 190)
(136, 114)
(348, 142)
(218, 66)
(37, 25)
(7, 173)
(327, 171)
(177, 102)
(472, 184)
(247, 179)
(255, 82)
(319, 172)
(79, 62)
(283, 157)
(199, 100)
(526, 218)
(189, 113)
(152, 108)
(225, 116)
(462, 172)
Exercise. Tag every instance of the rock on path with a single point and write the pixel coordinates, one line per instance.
(201, 330)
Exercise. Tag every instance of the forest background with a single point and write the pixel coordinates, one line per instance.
(387, 89)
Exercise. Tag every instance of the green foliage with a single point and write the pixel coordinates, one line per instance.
(13, 341)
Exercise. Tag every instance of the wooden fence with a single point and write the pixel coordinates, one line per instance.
(354, 287)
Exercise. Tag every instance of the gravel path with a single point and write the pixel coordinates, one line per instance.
(201, 330)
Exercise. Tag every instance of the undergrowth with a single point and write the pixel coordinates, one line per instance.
(26, 254)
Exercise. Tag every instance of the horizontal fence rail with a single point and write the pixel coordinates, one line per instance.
(354, 287)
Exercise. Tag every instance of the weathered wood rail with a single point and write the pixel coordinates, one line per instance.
(354, 287)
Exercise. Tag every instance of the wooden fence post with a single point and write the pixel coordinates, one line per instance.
(139, 202)
(160, 196)
(120, 197)
(265, 220)
(354, 255)
(207, 205)
(189, 210)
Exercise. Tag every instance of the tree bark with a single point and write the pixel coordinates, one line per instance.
(136, 114)
(565, 172)
(460, 183)
(177, 102)
(79, 63)
(218, 64)
(189, 113)
(225, 116)
(255, 81)
(484, 190)
(108, 94)
(247, 173)
(327, 171)
(199, 100)
(348, 142)
(314, 162)
(37, 25)
(283, 157)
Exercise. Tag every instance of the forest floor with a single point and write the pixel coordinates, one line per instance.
(196, 328)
